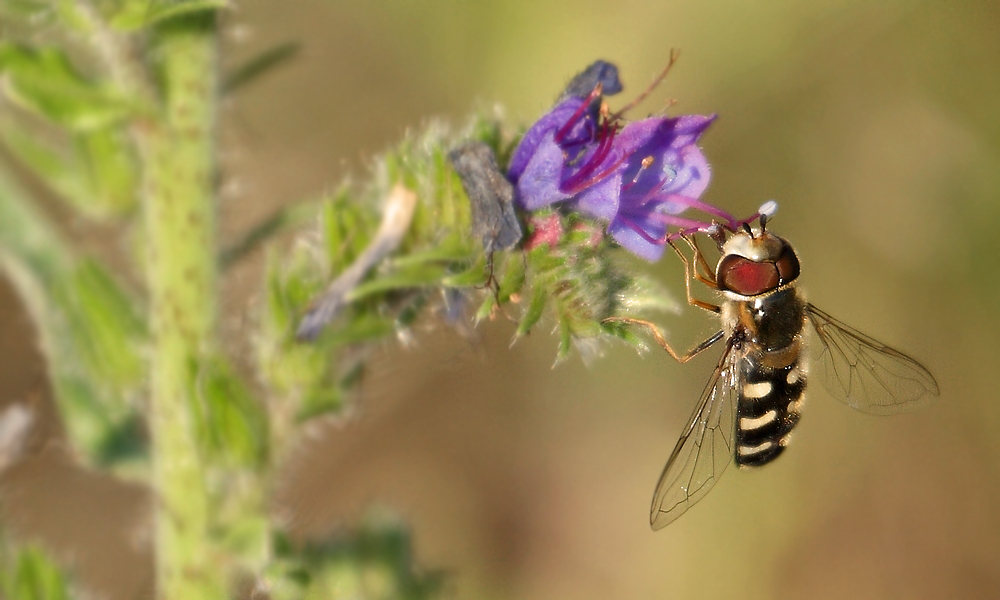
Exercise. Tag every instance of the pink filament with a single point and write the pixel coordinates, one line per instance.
(583, 178)
(563, 131)
(689, 226)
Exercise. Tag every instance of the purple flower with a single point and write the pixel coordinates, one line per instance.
(638, 177)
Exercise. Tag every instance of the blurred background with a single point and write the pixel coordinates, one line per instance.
(874, 125)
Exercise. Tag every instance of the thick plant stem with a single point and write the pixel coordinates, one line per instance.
(179, 227)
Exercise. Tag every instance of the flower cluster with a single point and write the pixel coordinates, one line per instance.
(639, 177)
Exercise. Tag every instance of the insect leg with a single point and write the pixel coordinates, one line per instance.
(690, 273)
(709, 277)
(658, 336)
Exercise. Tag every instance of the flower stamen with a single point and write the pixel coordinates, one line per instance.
(643, 165)
(562, 132)
(583, 178)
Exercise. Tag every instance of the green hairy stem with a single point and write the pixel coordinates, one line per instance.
(179, 223)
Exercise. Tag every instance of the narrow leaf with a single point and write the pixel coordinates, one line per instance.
(51, 285)
(539, 297)
(33, 575)
(514, 274)
(45, 82)
(112, 168)
(106, 326)
(138, 14)
(259, 65)
(413, 277)
(233, 422)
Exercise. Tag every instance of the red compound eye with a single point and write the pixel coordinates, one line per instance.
(746, 277)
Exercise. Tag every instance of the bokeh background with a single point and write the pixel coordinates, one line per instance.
(875, 126)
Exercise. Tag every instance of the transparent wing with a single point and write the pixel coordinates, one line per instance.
(705, 448)
(866, 374)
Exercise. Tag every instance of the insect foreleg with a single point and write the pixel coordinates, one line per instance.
(658, 336)
(690, 273)
(709, 277)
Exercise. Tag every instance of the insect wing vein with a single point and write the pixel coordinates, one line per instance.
(866, 374)
(705, 447)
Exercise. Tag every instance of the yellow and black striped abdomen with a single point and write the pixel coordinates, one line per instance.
(771, 378)
(767, 410)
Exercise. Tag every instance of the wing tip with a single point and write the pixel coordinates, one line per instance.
(659, 518)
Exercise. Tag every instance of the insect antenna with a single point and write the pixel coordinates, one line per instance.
(766, 211)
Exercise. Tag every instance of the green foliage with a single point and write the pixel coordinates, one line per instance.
(91, 329)
(231, 422)
(30, 574)
(96, 171)
(375, 561)
(259, 65)
(132, 15)
(44, 81)
(106, 326)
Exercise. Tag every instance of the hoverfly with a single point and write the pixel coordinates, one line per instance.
(752, 400)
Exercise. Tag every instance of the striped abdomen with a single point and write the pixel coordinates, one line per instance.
(766, 410)
(772, 378)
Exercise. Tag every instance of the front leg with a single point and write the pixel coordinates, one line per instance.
(690, 273)
(658, 336)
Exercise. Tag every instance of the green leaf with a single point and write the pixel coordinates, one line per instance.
(319, 401)
(364, 327)
(407, 316)
(303, 376)
(514, 274)
(347, 227)
(453, 248)
(138, 14)
(59, 169)
(107, 328)
(33, 575)
(326, 399)
(69, 302)
(539, 298)
(287, 366)
(281, 221)
(565, 338)
(233, 424)
(373, 561)
(473, 276)
(291, 284)
(415, 276)
(124, 446)
(83, 409)
(113, 170)
(259, 65)
(97, 173)
(44, 81)
(485, 309)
